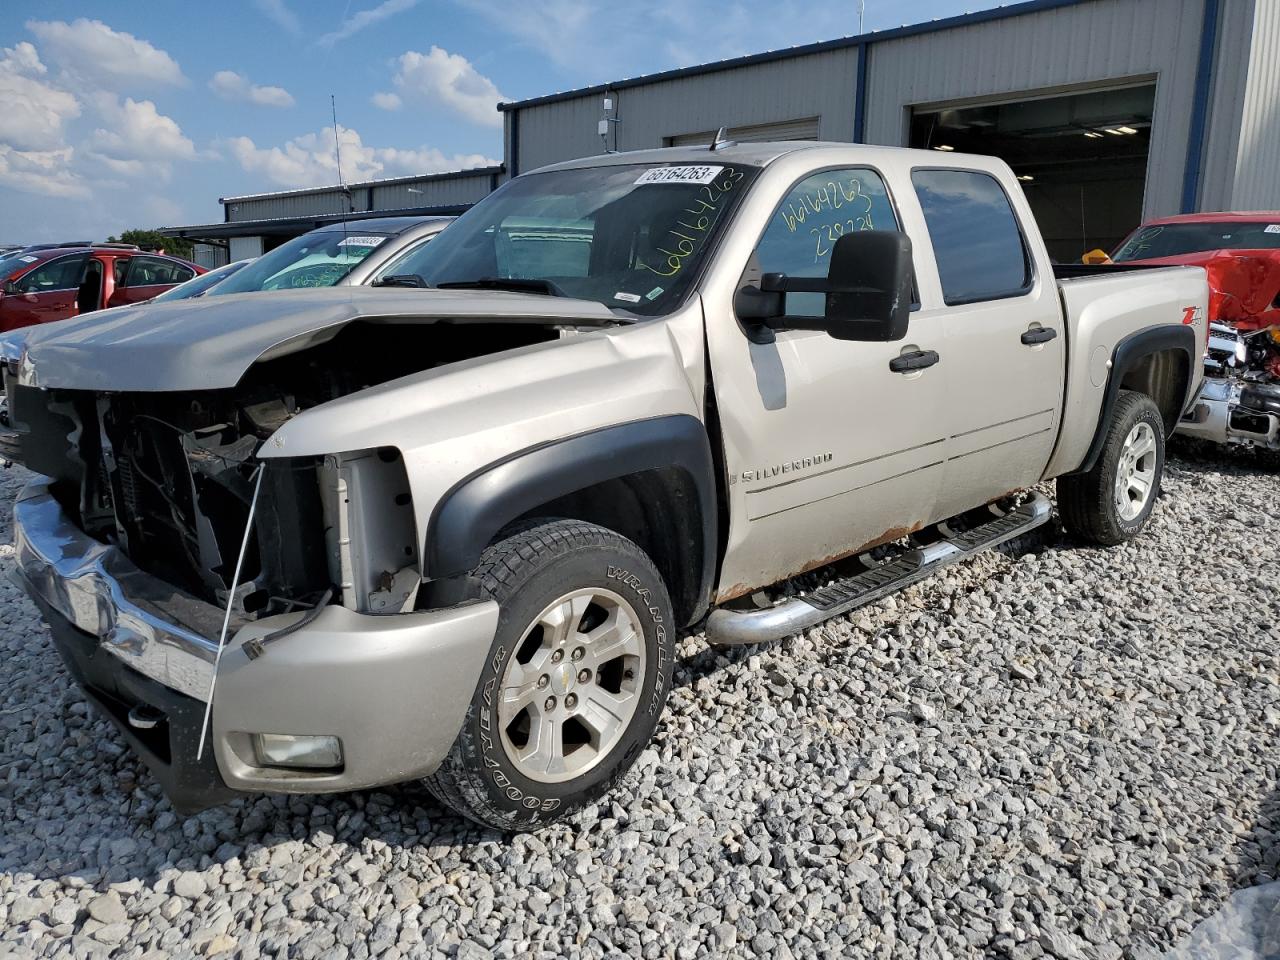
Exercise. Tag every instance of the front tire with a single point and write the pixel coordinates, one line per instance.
(1112, 502)
(575, 680)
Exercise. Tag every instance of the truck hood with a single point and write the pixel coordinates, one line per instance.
(207, 343)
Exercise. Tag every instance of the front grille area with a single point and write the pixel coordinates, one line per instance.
(176, 500)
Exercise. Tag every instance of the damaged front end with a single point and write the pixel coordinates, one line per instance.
(130, 540)
(168, 481)
(1239, 402)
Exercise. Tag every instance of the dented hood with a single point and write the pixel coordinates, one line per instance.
(207, 343)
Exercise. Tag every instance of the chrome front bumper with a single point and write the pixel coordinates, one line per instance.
(1217, 416)
(152, 628)
(393, 688)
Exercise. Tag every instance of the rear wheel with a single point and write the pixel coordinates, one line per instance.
(1112, 502)
(575, 681)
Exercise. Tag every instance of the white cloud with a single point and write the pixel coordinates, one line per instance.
(46, 172)
(92, 52)
(33, 113)
(646, 38)
(23, 58)
(557, 28)
(308, 161)
(366, 18)
(277, 11)
(232, 86)
(137, 140)
(386, 101)
(450, 79)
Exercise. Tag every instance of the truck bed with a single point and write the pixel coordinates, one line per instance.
(1103, 305)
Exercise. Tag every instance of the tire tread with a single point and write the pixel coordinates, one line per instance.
(503, 566)
(1084, 499)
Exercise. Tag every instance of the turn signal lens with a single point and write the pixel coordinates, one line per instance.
(283, 750)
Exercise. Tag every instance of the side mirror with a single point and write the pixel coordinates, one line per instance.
(1095, 257)
(9, 289)
(868, 290)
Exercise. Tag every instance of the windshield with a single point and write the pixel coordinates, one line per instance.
(631, 237)
(199, 284)
(320, 258)
(1175, 239)
(13, 262)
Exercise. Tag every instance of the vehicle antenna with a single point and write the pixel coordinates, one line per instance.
(337, 156)
(721, 140)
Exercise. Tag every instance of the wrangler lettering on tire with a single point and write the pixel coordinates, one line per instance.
(576, 679)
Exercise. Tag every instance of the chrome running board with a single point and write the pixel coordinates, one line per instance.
(738, 627)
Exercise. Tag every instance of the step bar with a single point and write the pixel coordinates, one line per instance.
(791, 616)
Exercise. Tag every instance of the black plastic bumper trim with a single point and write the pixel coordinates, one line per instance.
(169, 747)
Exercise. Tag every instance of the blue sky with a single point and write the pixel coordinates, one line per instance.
(141, 115)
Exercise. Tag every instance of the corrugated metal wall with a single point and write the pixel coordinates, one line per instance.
(441, 192)
(431, 191)
(819, 84)
(1257, 180)
(1226, 106)
(1070, 46)
(209, 256)
(281, 205)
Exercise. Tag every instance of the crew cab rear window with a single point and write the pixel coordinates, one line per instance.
(813, 215)
(976, 239)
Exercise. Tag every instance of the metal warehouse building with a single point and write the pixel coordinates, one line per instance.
(256, 223)
(1109, 111)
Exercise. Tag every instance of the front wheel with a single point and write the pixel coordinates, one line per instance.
(575, 680)
(1112, 502)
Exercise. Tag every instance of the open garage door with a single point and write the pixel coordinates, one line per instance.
(1082, 157)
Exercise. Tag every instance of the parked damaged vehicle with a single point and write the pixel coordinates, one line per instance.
(451, 529)
(1239, 403)
(339, 254)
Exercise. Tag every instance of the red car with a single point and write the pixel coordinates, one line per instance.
(46, 285)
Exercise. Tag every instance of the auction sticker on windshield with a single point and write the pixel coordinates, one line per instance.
(695, 174)
(360, 241)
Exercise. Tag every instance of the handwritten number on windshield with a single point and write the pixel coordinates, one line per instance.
(686, 237)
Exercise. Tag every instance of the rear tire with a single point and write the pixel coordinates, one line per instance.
(1112, 502)
(575, 680)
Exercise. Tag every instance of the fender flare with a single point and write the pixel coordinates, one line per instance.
(466, 519)
(1128, 353)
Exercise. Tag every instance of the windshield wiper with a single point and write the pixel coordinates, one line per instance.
(400, 280)
(517, 284)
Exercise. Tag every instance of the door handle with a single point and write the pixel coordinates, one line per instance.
(915, 360)
(1038, 335)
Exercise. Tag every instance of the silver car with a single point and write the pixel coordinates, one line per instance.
(340, 254)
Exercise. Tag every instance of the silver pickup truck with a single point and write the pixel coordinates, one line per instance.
(451, 528)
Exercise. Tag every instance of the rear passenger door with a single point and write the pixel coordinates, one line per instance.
(1003, 336)
(147, 277)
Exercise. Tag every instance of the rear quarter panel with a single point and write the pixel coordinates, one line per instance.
(1099, 313)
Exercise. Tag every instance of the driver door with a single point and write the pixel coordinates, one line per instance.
(828, 451)
(47, 293)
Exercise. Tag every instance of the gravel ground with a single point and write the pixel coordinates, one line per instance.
(1071, 754)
